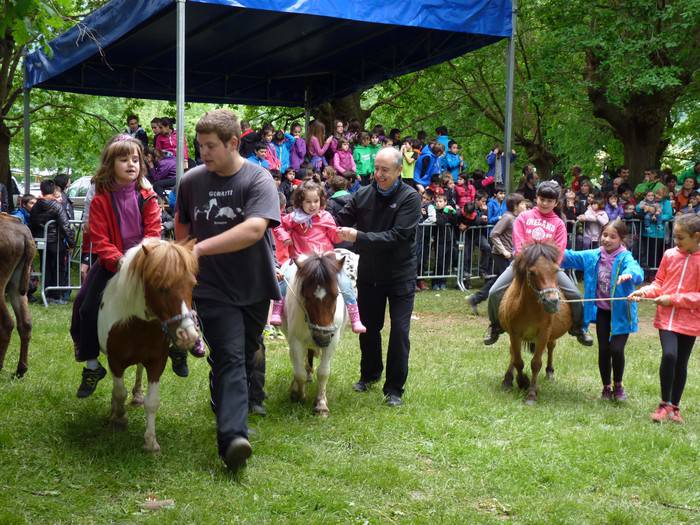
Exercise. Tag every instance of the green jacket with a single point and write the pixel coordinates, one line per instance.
(690, 172)
(364, 159)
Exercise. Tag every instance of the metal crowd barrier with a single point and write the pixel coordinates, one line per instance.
(444, 252)
(72, 262)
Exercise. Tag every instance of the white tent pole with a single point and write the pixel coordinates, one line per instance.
(180, 88)
(510, 86)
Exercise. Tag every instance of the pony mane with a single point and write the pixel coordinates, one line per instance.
(160, 263)
(164, 264)
(532, 252)
(316, 270)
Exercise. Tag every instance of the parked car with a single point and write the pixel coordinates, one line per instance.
(77, 191)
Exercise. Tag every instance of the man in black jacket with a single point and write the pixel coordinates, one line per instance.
(384, 215)
(59, 238)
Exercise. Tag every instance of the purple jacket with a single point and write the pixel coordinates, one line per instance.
(298, 153)
(614, 213)
(166, 168)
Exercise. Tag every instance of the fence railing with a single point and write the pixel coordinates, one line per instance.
(443, 252)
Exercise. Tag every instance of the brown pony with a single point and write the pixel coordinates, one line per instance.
(145, 308)
(313, 319)
(17, 251)
(531, 312)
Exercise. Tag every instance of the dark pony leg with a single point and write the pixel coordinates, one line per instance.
(535, 365)
(6, 326)
(20, 306)
(550, 359)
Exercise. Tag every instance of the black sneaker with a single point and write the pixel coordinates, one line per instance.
(237, 453)
(362, 385)
(256, 409)
(492, 335)
(90, 380)
(179, 360)
(392, 400)
(582, 337)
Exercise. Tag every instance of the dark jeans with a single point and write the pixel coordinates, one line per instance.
(500, 264)
(673, 371)
(611, 350)
(83, 328)
(232, 334)
(56, 270)
(372, 302)
(161, 185)
(255, 370)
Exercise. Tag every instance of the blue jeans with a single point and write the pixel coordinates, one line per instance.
(344, 284)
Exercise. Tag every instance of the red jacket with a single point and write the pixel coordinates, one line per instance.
(679, 277)
(106, 238)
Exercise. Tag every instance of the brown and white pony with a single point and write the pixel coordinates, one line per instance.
(531, 312)
(146, 307)
(17, 251)
(314, 316)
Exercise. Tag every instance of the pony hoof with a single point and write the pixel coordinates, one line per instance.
(19, 374)
(530, 401)
(137, 400)
(309, 377)
(296, 397)
(550, 374)
(507, 385)
(321, 412)
(119, 423)
(523, 382)
(153, 448)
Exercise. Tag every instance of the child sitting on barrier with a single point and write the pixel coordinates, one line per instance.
(541, 224)
(309, 228)
(443, 237)
(593, 221)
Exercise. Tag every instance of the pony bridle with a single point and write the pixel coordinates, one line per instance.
(325, 330)
(165, 325)
(542, 293)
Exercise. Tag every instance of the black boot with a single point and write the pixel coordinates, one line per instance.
(90, 380)
(179, 359)
(582, 336)
(492, 334)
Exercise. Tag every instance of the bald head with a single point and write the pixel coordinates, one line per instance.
(387, 167)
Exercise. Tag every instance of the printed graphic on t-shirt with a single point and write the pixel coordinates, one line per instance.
(603, 279)
(215, 211)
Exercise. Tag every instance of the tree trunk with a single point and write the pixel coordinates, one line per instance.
(344, 109)
(5, 159)
(537, 154)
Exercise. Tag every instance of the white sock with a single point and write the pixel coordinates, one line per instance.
(92, 364)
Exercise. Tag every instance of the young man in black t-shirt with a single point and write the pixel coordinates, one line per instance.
(229, 205)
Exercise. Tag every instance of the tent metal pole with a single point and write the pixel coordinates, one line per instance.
(27, 171)
(307, 112)
(180, 89)
(510, 81)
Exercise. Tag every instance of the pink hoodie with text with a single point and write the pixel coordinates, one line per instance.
(535, 226)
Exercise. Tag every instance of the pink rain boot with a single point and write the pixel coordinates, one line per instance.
(277, 311)
(355, 322)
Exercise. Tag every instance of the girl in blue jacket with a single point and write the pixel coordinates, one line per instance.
(609, 271)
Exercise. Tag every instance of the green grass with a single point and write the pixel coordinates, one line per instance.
(459, 451)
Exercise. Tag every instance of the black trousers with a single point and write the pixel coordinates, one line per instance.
(372, 302)
(232, 334)
(673, 371)
(500, 264)
(611, 350)
(56, 269)
(83, 328)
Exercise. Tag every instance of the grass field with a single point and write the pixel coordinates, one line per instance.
(459, 451)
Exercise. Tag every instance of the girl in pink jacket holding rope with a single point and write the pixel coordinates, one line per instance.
(676, 292)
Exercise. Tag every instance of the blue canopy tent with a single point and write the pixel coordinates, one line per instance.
(258, 52)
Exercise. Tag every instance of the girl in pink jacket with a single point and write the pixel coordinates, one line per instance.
(342, 158)
(676, 292)
(309, 228)
(540, 224)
